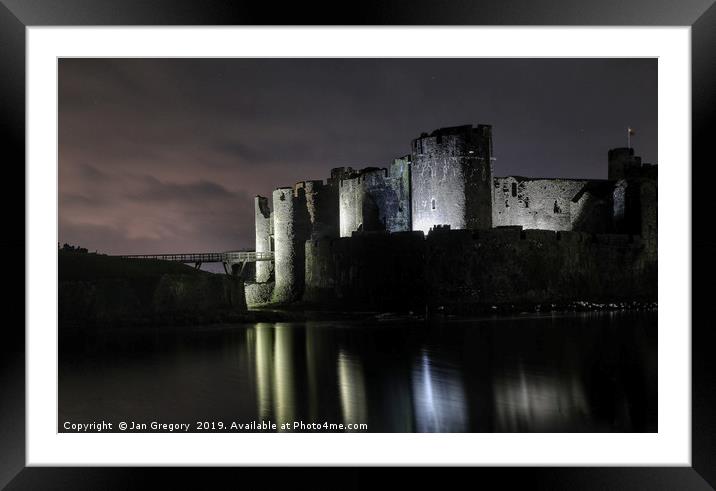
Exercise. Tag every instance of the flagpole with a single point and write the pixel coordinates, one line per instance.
(628, 137)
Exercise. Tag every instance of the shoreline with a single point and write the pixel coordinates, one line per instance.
(299, 312)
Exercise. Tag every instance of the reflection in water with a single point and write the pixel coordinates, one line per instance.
(284, 367)
(275, 366)
(539, 373)
(352, 389)
(439, 398)
(539, 402)
(264, 369)
(312, 368)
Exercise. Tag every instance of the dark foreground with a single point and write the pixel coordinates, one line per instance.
(577, 372)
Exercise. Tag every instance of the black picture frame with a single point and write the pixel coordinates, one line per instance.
(16, 15)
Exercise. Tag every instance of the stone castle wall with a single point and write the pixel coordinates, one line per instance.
(320, 270)
(465, 270)
(649, 217)
(375, 200)
(473, 270)
(544, 204)
(378, 270)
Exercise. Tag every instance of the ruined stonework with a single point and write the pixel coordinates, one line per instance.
(358, 239)
(552, 204)
(322, 207)
(591, 209)
(376, 199)
(451, 178)
(264, 238)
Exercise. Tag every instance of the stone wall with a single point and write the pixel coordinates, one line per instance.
(545, 204)
(649, 217)
(464, 270)
(512, 267)
(379, 271)
(398, 213)
(451, 178)
(636, 210)
(322, 207)
(320, 271)
(375, 199)
(259, 293)
(592, 209)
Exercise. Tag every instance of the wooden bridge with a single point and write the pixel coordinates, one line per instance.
(228, 259)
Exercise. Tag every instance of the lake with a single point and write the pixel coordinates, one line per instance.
(575, 372)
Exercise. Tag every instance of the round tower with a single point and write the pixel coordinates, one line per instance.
(284, 245)
(451, 178)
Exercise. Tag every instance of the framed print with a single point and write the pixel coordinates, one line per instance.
(425, 236)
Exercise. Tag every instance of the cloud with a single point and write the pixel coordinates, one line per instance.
(152, 190)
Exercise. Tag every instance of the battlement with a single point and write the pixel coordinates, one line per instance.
(466, 139)
(465, 129)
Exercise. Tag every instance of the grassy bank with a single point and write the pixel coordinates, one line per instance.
(101, 292)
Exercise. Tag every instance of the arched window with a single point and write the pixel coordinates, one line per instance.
(432, 204)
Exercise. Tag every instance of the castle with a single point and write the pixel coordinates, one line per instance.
(442, 200)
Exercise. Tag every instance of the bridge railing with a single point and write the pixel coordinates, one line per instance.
(208, 257)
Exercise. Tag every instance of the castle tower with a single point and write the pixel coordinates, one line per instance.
(264, 237)
(307, 211)
(451, 178)
(290, 224)
(623, 163)
(322, 207)
(634, 197)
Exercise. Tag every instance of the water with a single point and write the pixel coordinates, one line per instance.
(560, 373)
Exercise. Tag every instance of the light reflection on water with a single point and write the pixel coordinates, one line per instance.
(438, 398)
(539, 402)
(352, 389)
(545, 374)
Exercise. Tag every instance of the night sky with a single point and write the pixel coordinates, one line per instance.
(166, 155)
